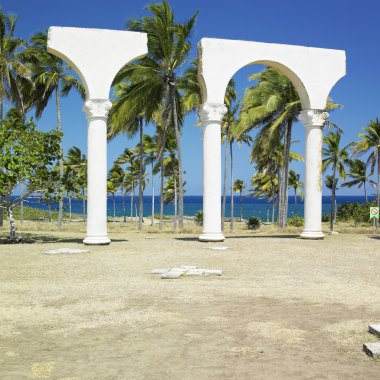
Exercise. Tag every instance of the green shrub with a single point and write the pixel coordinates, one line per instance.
(325, 218)
(253, 223)
(198, 218)
(295, 221)
(354, 212)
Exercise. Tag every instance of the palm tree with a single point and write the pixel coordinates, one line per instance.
(114, 181)
(295, 184)
(273, 105)
(334, 157)
(12, 71)
(77, 161)
(360, 178)
(52, 78)
(155, 77)
(239, 187)
(371, 141)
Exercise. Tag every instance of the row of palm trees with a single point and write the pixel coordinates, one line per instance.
(159, 90)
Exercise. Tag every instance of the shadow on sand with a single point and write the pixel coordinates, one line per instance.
(46, 239)
(278, 236)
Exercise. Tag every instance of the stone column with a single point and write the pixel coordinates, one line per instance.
(97, 112)
(211, 116)
(313, 121)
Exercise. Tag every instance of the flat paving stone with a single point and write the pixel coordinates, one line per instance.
(374, 329)
(194, 272)
(171, 275)
(218, 248)
(63, 251)
(372, 349)
(213, 272)
(159, 271)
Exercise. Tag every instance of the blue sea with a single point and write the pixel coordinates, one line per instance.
(251, 206)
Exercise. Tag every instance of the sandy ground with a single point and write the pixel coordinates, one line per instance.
(284, 309)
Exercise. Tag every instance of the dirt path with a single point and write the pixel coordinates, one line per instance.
(284, 309)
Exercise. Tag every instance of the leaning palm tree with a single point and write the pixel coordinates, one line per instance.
(114, 181)
(296, 184)
(239, 187)
(357, 171)
(335, 157)
(155, 77)
(52, 78)
(371, 142)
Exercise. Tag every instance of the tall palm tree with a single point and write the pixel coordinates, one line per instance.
(52, 78)
(335, 157)
(273, 104)
(12, 71)
(114, 181)
(359, 177)
(155, 77)
(371, 142)
(238, 188)
(76, 161)
(296, 184)
(127, 117)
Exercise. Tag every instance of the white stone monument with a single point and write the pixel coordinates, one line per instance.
(96, 55)
(313, 72)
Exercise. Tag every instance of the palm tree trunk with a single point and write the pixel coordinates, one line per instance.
(12, 223)
(295, 199)
(114, 207)
(124, 210)
(332, 210)
(161, 189)
(70, 218)
(175, 202)
(179, 153)
(141, 175)
(273, 209)
(378, 177)
(132, 193)
(365, 191)
(83, 205)
(49, 211)
(232, 188)
(267, 212)
(22, 203)
(241, 205)
(61, 189)
(225, 181)
(283, 206)
(1, 195)
(152, 221)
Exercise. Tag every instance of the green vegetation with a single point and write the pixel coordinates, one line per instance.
(295, 221)
(198, 218)
(253, 223)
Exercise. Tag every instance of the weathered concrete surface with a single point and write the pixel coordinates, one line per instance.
(62, 251)
(372, 349)
(374, 329)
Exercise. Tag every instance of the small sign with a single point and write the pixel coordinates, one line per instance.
(373, 213)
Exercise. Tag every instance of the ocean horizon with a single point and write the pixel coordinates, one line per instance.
(192, 203)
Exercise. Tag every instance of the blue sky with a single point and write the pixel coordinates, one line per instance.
(340, 24)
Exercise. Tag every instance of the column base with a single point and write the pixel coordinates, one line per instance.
(218, 236)
(312, 235)
(97, 240)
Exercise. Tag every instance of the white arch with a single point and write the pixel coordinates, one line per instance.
(313, 71)
(96, 55)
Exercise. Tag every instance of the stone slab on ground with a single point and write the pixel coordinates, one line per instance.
(194, 272)
(372, 349)
(213, 272)
(172, 274)
(374, 329)
(222, 248)
(70, 251)
(159, 271)
(150, 237)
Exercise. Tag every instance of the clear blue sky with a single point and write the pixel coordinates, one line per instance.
(340, 24)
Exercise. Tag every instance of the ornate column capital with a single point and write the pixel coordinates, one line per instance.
(211, 112)
(97, 108)
(313, 118)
